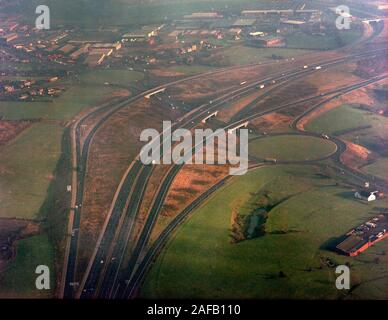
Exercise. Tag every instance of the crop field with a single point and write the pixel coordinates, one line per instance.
(27, 166)
(311, 213)
(291, 148)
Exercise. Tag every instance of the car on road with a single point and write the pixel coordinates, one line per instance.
(271, 160)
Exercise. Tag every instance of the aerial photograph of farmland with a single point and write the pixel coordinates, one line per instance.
(194, 149)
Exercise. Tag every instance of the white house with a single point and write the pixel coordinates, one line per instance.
(366, 195)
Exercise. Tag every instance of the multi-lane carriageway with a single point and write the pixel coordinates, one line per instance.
(135, 273)
(116, 209)
(142, 242)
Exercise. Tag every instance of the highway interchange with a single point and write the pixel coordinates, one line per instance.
(106, 277)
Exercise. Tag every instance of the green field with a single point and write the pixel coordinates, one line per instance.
(291, 148)
(88, 92)
(65, 107)
(351, 123)
(200, 261)
(239, 55)
(124, 78)
(18, 279)
(27, 166)
(378, 168)
(28, 163)
(322, 42)
(345, 117)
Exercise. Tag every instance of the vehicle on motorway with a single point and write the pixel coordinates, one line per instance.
(271, 160)
(78, 196)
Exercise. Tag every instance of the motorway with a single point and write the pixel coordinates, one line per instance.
(80, 157)
(137, 175)
(132, 286)
(68, 284)
(154, 210)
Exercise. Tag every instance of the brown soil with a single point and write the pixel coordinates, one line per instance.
(227, 113)
(190, 182)
(272, 122)
(355, 155)
(121, 93)
(166, 73)
(9, 129)
(370, 67)
(382, 37)
(332, 78)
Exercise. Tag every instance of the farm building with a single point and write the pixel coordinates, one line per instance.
(203, 15)
(267, 41)
(361, 238)
(366, 195)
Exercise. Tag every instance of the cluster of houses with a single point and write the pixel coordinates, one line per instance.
(53, 45)
(28, 90)
(265, 28)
